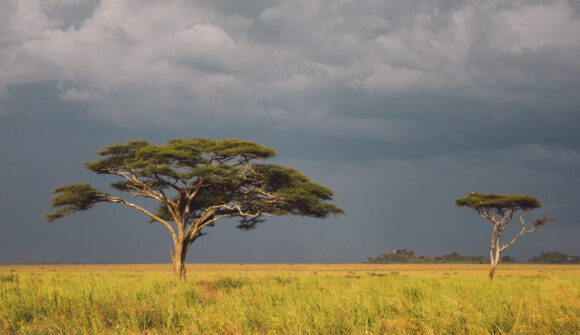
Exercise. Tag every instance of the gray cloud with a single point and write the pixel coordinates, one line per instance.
(275, 57)
(388, 102)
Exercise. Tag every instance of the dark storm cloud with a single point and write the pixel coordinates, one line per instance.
(294, 62)
(397, 105)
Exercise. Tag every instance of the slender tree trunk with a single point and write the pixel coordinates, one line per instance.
(494, 258)
(492, 271)
(491, 258)
(492, 252)
(178, 258)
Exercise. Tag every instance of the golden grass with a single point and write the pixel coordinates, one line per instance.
(478, 269)
(290, 299)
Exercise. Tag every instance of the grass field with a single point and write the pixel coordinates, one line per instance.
(290, 299)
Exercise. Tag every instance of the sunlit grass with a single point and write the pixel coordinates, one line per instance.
(290, 299)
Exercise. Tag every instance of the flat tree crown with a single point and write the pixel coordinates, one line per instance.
(499, 209)
(188, 176)
(198, 182)
(491, 201)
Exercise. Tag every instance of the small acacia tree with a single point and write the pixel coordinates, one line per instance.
(499, 210)
(197, 183)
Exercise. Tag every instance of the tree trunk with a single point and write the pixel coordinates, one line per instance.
(492, 271)
(178, 258)
(494, 258)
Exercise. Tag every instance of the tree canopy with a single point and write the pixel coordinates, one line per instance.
(198, 182)
(499, 209)
(495, 201)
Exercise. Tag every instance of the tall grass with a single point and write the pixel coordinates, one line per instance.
(285, 302)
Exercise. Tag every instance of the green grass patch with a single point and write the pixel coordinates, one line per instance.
(287, 302)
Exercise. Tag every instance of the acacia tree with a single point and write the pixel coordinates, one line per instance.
(499, 209)
(197, 183)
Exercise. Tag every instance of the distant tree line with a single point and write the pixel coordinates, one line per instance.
(555, 258)
(408, 256)
(398, 256)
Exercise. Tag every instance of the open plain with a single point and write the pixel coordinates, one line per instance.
(290, 299)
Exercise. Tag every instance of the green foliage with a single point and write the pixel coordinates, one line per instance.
(198, 182)
(193, 175)
(148, 159)
(299, 195)
(72, 198)
(478, 200)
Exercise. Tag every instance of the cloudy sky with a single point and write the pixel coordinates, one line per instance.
(399, 106)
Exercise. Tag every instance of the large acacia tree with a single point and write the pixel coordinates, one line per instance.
(499, 210)
(198, 182)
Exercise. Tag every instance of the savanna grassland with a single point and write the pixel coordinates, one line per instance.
(290, 299)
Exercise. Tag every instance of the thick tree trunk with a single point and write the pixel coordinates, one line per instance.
(178, 258)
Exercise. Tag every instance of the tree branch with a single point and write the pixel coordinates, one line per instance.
(238, 209)
(195, 227)
(201, 222)
(143, 188)
(164, 181)
(190, 198)
(146, 188)
(521, 233)
(147, 191)
(141, 209)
